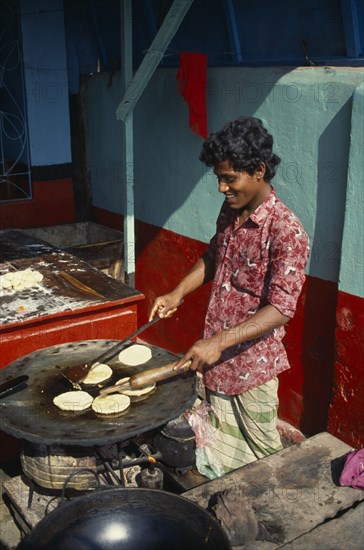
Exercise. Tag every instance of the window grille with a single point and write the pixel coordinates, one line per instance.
(15, 173)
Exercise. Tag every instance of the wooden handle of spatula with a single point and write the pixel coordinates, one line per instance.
(151, 376)
(148, 377)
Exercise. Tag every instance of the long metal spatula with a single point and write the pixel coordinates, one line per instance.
(76, 373)
(147, 377)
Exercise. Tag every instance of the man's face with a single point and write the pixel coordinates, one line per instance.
(241, 189)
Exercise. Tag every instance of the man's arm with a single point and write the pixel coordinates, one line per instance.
(201, 273)
(208, 351)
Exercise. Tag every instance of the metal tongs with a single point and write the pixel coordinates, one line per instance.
(147, 377)
(76, 373)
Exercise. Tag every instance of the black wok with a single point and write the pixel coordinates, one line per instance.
(129, 519)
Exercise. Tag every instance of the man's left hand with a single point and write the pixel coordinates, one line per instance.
(203, 352)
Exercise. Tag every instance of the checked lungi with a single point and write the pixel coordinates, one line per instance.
(245, 425)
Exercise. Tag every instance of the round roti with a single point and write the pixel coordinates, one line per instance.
(113, 404)
(73, 401)
(136, 392)
(97, 374)
(135, 355)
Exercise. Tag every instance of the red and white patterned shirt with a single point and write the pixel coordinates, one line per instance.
(260, 262)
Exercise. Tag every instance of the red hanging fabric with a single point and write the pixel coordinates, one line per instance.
(192, 76)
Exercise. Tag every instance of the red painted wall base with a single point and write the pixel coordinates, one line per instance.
(346, 410)
(324, 389)
(52, 204)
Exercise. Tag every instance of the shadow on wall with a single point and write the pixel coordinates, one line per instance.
(319, 337)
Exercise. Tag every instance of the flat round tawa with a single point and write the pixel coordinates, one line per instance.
(30, 413)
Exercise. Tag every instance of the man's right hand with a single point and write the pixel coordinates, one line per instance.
(165, 306)
(199, 274)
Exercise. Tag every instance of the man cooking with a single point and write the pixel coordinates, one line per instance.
(257, 261)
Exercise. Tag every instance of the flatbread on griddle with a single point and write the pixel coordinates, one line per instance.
(73, 401)
(97, 374)
(133, 391)
(110, 405)
(135, 355)
(139, 394)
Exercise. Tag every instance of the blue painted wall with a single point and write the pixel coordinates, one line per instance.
(310, 113)
(46, 81)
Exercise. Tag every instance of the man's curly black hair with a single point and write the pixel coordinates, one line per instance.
(245, 143)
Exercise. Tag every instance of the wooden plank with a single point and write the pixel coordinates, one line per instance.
(297, 487)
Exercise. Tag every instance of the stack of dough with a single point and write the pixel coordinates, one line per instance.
(19, 280)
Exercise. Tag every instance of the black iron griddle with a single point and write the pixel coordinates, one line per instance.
(30, 414)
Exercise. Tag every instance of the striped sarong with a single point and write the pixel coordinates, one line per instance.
(245, 425)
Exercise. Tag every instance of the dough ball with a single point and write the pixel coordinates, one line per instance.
(97, 374)
(112, 404)
(135, 355)
(37, 277)
(73, 401)
(6, 283)
(27, 283)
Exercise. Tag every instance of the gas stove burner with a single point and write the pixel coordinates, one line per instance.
(57, 468)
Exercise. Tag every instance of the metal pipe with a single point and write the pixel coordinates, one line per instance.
(128, 143)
